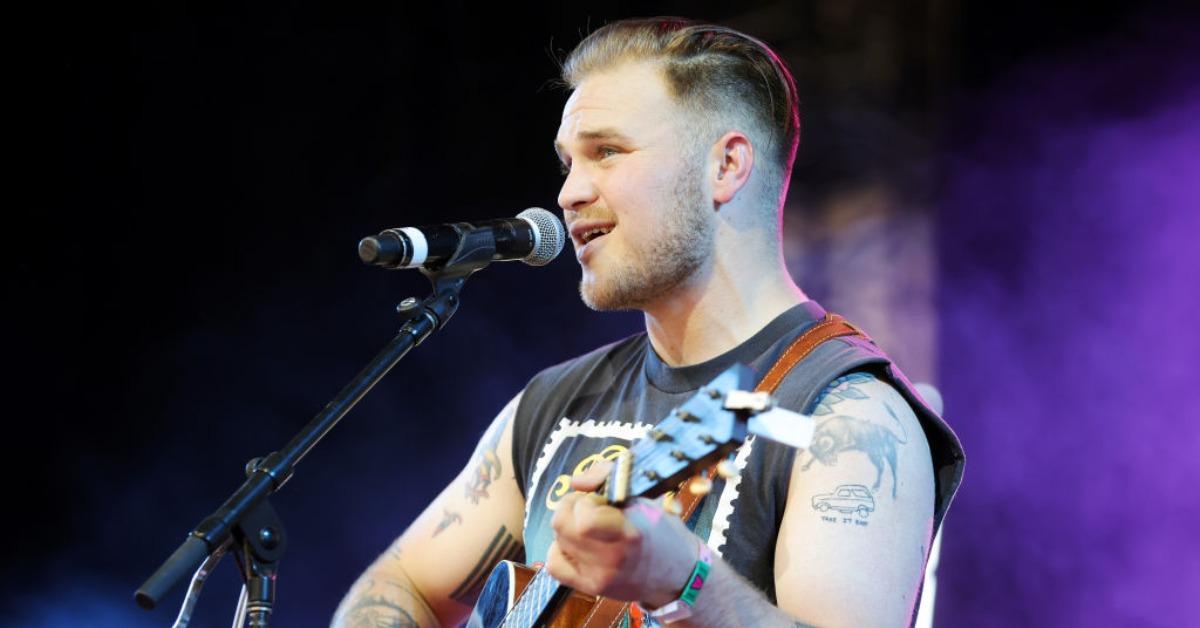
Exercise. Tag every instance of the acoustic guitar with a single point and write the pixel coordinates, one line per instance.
(694, 436)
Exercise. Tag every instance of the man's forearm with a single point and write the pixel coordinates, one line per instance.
(728, 600)
(380, 599)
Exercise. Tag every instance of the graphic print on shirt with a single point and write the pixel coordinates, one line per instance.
(572, 448)
(562, 483)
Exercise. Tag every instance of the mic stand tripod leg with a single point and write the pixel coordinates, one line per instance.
(198, 579)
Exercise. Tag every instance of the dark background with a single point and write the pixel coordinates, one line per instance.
(184, 292)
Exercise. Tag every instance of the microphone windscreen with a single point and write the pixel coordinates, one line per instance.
(549, 236)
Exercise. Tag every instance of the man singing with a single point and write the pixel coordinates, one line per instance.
(677, 143)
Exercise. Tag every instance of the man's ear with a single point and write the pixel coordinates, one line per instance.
(734, 159)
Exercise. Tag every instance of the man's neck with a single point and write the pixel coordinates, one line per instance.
(718, 311)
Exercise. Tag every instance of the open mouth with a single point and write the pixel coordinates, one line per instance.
(592, 234)
(584, 232)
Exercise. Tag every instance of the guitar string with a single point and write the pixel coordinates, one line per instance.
(516, 614)
(526, 611)
(548, 584)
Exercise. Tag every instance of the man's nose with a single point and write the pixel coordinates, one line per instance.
(577, 190)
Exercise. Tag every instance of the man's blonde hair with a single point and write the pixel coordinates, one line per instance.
(721, 74)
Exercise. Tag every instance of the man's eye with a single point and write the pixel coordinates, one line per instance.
(606, 151)
(564, 169)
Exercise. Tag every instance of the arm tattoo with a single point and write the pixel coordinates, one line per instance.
(502, 547)
(487, 464)
(846, 499)
(840, 389)
(448, 517)
(839, 433)
(379, 610)
(393, 550)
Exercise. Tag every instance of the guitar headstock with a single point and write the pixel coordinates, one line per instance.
(695, 435)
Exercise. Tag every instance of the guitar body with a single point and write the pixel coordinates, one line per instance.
(503, 590)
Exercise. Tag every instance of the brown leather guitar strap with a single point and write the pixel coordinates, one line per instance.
(607, 612)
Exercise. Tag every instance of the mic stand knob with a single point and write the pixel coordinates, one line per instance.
(409, 309)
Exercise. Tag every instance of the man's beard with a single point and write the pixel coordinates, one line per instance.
(670, 258)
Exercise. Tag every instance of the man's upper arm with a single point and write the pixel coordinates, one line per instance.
(475, 522)
(859, 513)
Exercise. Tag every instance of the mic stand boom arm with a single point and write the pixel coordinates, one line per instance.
(247, 517)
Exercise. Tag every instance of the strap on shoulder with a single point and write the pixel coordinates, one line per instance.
(832, 326)
(607, 611)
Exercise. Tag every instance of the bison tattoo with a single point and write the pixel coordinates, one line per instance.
(838, 434)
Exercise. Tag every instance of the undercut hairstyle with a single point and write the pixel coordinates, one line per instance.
(726, 77)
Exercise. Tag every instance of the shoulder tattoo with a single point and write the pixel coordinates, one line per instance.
(872, 432)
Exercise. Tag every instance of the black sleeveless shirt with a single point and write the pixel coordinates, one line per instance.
(592, 407)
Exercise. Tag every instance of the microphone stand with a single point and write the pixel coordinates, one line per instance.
(246, 523)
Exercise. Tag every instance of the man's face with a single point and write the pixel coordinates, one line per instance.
(634, 197)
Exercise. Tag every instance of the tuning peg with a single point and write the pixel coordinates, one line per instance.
(616, 487)
(750, 401)
(672, 505)
(700, 486)
(726, 469)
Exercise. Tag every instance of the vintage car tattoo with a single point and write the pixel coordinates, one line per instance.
(847, 498)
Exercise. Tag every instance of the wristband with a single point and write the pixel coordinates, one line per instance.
(681, 608)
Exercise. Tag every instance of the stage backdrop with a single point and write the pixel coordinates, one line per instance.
(1009, 195)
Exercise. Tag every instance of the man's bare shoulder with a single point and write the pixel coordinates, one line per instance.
(860, 412)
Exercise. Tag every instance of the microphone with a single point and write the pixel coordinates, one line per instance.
(535, 237)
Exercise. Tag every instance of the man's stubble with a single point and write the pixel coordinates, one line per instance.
(662, 263)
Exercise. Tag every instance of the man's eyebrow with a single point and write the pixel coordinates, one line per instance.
(607, 133)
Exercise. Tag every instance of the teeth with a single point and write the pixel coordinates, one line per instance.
(590, 235)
